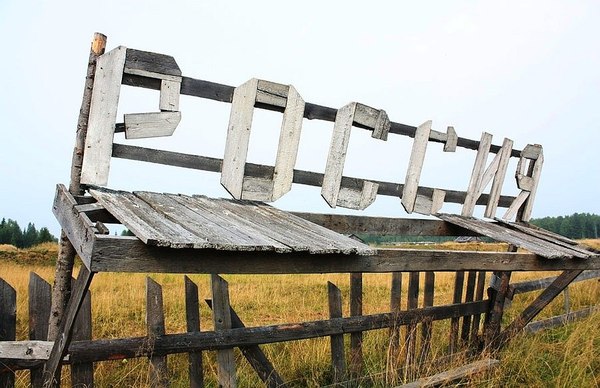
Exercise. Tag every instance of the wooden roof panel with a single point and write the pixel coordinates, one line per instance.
(181, 221)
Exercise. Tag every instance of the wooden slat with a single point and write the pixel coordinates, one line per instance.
(493, 319)
(469, 296)
(477, 174)
(536, 170)
(497, 184)
(169, 95)
(540, 284)
(238, 137)
(102, 118)
(222, 321)
(8, 325)
(309, 178)
(153, 124)
(512, 210)
(481, 275)
(415, 165)
(39, 311)
(338, 358)
(155, 321)
(82, 373)
(152, 65)
(502, 233)
(560, 320)
(427, 325)
(192, 318)
(451, 140)
(455, 322)
(395, 307)
(410, 341)
(453, 375)
(356, 303)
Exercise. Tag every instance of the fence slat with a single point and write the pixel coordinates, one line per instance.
(469, 295)
(40, 298)
(255, 356)
(222, 321)
(455, 322)
(82, 374)
(427, 325)
(8, 325)
(410, 341)
(338, 359)
(155, 321)
(356, 304)
(192, 317)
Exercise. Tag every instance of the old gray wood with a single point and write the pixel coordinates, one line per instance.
(155, 322)
(192, 319)
(222, 321)
(415, 166)
(477, 174)
(427, 325)
(152, 124)
(455, 322)
(356, 362)
(8, 324)
(169, 95)
(39, 311)
(82, 374)
(102, 118)
(497, 184)
(338, 358)
(452, 375)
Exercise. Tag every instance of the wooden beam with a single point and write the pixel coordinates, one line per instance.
(497, 184)
(153, 124)
(453, 375)
(222, 321)
(192, 318)
(477, 174)
(415, 165)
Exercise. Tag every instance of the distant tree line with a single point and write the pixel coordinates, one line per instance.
(578, 225)
(11, 233)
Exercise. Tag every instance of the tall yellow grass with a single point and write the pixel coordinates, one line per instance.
(566, 356)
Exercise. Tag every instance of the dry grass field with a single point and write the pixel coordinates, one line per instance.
(563, 357)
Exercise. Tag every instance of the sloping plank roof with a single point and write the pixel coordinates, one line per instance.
(182, 221)
(535, 240)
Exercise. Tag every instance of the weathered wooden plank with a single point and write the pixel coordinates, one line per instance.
(224, 93)
(516, 205)
(238, 137)
(222, 321)
(8, 325)
(338, 358)
(169, 95)
(496, 190)
(427, 206)
(481, 275)
(540, 284)
(453, 375)
(356, 363)
(300, 176)
(115, 349)
(153, 124)
(59, 349)
(469, 296)
(451, 140)
(128, 254)
(192, 319)
(255, 356)
(376, 119)
(427, 325)
(547, 296)
(395, 307)
(493, 318)
(502, 233)
(410, 341)
(102, 118)
(415, 165)
(560, 320)
(535, 168)
(155, 322)
(477, 174)
(455, 322)
(150, 64)
(39, 311)
(82, 374)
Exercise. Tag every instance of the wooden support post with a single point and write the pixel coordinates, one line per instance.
(530, 312)
(8, 325)
(410, 343)
(469, 295)
(66, 255)
(356, 299)
(427, 325)
(192, 317)
(63, 339)
(477, 317)
(493, 320)
(82, 374)
(395, 307)
(222, 321)
(457, 298)
(255, 356)
(40, 296)
(155, 322)
(338, 359)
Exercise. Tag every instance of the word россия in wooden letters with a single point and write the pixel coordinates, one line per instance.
(157, 71)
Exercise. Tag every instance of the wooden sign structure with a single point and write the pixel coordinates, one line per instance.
(196, 234)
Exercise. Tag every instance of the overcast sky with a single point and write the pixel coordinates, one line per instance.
(528, 70)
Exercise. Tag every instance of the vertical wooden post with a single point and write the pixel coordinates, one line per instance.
(410, 343)
(155, 322)
(66, 254)
(222, 321)
(469, 295)
(356, 299)
(457, 298)
(40, 293)
(8, 325)
(338, 360)
(82, 374)
(192, 317)
(477, 318)
(393, 359)
(427, 326)
(493, 320)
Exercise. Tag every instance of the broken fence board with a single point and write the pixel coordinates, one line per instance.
(477, 174)
(497, 184)
(153, 124)
(155, 322)
(415, 165)
(338, 358)
(192, 318)
(222, 321)
(453, 375)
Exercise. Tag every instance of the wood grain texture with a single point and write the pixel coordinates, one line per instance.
(222, 321)
(415, 165)
(451, 140)
(477, 175)
(518, 202)
(155, 323)
(102, 118)
(8, 324)
(151, 64)
(39, 295)
(238, 137)
(524, 213)
(453, 375)
(356, 362)
(338, 358)
(192, 319)
(169, 95)
(153, 124)
(500, 174)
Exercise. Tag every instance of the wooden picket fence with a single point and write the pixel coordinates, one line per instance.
(410, 347)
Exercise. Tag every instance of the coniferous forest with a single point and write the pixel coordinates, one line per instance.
(11, 233)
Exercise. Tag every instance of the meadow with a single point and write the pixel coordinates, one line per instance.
(561, 357)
